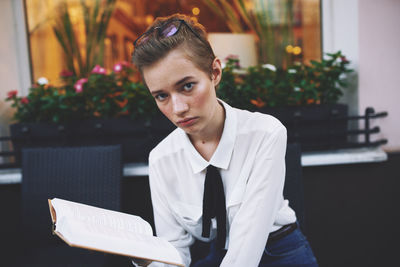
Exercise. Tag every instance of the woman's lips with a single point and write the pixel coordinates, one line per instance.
(187, 122)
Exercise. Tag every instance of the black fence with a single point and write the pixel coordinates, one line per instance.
(333, 132)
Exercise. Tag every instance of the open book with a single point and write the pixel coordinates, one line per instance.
(109, 231)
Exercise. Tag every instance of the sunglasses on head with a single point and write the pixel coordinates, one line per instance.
(164, 31)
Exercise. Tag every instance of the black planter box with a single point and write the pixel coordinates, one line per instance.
(315, 127)
(136, 138)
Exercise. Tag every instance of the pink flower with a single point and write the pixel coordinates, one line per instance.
(79, 85)
(344, 59)
(98, 70)
(232, 57)
(24, 100)
(66, 73)
(120, 65)
(12, 94)
(125, 63)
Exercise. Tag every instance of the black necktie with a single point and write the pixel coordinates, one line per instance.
(214, 205)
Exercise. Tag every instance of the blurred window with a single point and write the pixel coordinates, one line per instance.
(294, 29)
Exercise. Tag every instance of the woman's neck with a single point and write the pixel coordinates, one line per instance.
(207, 142)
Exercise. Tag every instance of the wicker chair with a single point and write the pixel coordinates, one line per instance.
(90, 175)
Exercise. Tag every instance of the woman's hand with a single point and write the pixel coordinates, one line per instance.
(141, 262)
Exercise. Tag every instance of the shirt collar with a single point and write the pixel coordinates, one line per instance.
(222, 155)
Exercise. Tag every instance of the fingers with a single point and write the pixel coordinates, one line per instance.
(141, 262)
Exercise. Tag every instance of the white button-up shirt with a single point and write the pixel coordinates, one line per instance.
(251, 160)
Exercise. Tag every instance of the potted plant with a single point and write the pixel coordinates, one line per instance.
(273, 30)
(92, 106)
(115, 107)
(82, 54)
(102, 108)
(304, 97)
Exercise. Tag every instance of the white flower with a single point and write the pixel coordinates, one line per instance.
(42, 81)
(292, 70)
(269, 66)
(297, 89)
(342, 76)
(239, 71)
(223, 65)
(117, 68)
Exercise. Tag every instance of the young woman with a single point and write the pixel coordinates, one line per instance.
(219, 176)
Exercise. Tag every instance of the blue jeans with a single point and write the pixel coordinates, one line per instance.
(292, 250)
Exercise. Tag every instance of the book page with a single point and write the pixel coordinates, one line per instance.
(109, 231)
(119, 242)
(98, 217)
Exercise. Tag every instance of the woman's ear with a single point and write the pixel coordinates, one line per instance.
(216, 71)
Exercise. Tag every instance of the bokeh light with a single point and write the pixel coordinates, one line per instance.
(297, 50)
(196, 11)
(149, 19)
(289, 49)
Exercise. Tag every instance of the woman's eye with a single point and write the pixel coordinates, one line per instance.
(160, 97)
(188, 86)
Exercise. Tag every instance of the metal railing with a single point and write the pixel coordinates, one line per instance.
(331, 134)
